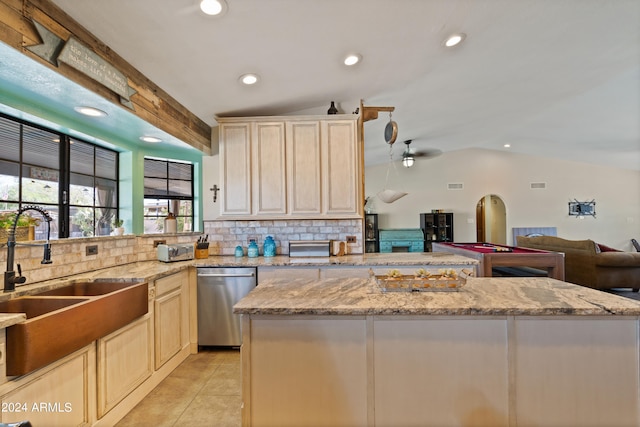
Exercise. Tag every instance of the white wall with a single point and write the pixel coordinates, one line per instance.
(508, 175)
(210, 176)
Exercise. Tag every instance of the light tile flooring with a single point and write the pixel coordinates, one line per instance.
(203, 391)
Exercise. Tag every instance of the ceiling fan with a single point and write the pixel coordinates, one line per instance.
(409, 155)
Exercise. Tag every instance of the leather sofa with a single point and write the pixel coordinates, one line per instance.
(589, 264)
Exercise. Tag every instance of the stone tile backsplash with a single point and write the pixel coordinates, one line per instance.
(226, 235)
(70, 257)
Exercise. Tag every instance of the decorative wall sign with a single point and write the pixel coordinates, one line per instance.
(80, 57)
(581, 209)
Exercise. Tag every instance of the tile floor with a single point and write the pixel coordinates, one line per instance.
(203, 391)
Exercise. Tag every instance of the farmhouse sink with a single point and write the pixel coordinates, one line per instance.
(86, 289)
(34, 307)
(63, 320)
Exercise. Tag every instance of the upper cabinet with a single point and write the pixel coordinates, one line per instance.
(291, 167)
(235, 168)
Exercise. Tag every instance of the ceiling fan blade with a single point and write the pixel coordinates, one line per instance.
(428, 153)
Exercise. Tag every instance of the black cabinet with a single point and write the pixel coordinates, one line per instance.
(437, 227)
(371, 240)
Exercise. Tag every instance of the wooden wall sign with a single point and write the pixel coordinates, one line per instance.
(43, 32)
(78, 56)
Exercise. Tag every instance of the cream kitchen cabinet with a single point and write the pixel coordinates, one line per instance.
(342, 173)
(61, 394)
(290, 167)
(235, 168)
(125, 360)
(171, 315)
(304, 172)
(269, 190)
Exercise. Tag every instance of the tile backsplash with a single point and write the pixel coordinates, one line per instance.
(226, 235)
(70, 256)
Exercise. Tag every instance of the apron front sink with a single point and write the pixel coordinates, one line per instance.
(35, 307)
(88, 288)
(56, 326)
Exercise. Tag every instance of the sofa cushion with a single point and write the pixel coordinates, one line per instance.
(618, 259)
(557, 244)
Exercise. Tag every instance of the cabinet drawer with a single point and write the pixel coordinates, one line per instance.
(169, 283)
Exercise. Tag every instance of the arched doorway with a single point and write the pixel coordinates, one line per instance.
(491, 220)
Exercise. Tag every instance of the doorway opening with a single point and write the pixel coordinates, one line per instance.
(491, 220)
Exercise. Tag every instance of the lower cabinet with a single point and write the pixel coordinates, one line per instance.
(99, 384)
(61, 394)
(171, 311)
(306, 272)
(125, 360)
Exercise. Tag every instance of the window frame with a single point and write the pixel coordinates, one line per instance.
(172, 200)
(63, 204)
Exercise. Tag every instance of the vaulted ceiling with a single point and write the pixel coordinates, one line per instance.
(550, 78)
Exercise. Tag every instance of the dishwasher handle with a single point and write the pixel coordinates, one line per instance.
(226, 275)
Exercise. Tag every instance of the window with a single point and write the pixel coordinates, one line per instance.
(74, 181)
(93, 190)
(168, 188)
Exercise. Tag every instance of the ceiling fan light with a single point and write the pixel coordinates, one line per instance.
(407, 160)
(454, 39)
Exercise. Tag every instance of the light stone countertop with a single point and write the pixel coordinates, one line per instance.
(521, 296)
(370, 259)
(152, 270)
(8, 319)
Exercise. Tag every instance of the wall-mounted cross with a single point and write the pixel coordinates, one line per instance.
(215, 190)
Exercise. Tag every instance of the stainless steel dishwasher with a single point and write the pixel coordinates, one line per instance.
(219, 288)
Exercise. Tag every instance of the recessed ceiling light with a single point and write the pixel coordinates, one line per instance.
(90, 111)
(148, 138)
(213, 7)
(352, 59)
(454, 39)
(507, 145)
(249, 79)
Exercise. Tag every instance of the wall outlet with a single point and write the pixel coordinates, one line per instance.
(351, 239)
(159, 242)
(91, 250)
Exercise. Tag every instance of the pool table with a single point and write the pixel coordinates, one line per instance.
(490, 256)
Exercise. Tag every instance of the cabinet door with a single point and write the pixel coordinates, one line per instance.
(303, 164)
(125, 360)
(168, 328)
(171, 311)
(341, 168)
(269, 168)
(61, 396)
(235, 168)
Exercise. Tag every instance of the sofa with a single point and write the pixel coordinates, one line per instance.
(590, 264)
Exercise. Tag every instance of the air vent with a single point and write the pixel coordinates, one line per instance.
(538, 185)
(455, 186)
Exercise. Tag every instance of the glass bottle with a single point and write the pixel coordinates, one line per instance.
(332, 108)
(252, 250)
(269, 247)
(170, 224)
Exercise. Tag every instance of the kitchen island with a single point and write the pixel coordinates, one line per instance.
(499, 352)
